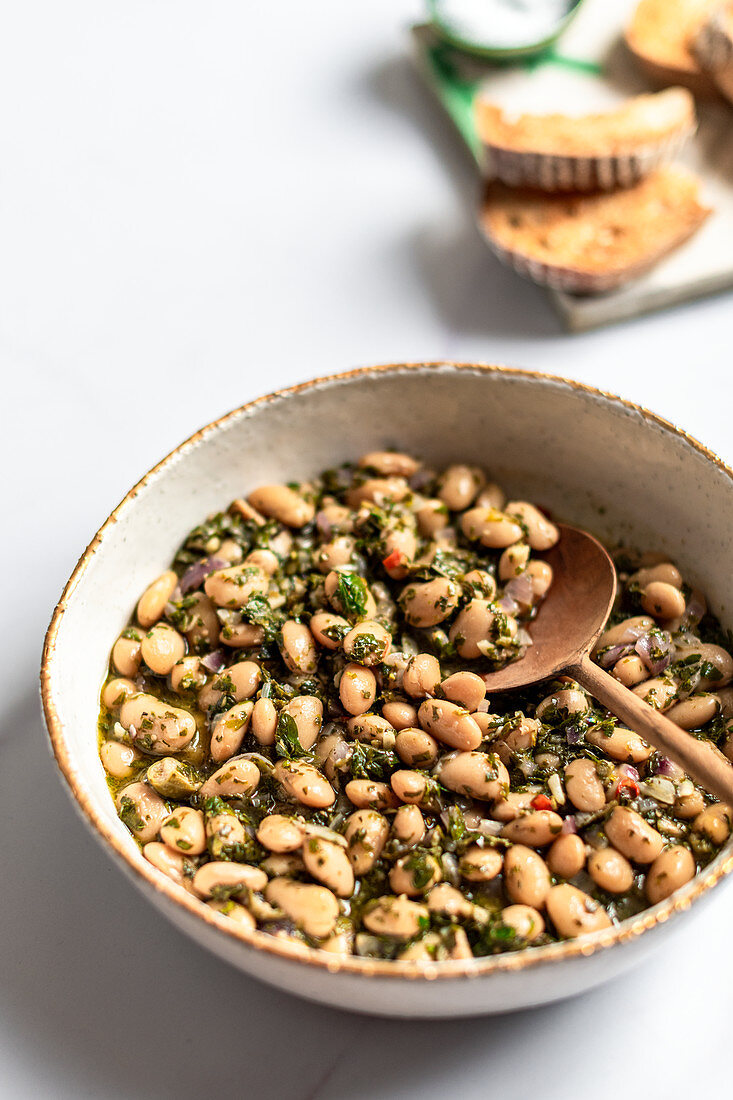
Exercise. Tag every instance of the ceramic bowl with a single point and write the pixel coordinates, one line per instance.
(595, 460)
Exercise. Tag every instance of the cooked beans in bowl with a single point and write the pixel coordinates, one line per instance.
(295, 725)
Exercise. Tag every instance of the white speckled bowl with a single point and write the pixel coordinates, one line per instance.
(595, 460)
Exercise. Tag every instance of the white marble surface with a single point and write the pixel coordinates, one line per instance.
(199, 203)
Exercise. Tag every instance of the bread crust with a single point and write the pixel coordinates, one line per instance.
(588, 244)
(660, 36)
(713, 48)
(601, 151)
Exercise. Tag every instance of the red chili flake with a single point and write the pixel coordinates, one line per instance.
(627, 784)
(392, 560)
(541, 802)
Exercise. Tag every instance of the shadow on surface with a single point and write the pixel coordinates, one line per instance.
(121, 1003)
(472, 291)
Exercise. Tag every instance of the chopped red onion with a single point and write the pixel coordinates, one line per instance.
(215, 661)
(483, 707)
(197, 572)
(507, 605)
(695, 609)
(572, 735)
(340, 753)
(629, 771)
(569, 826)
(489, 828)
(421, 478)
(664, 766)
(324, 524)
(655, 650)
(614, 654)
(520, 589)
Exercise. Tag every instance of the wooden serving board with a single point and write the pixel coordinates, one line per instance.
(590, 70)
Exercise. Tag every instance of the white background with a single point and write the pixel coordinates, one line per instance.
(201, 202)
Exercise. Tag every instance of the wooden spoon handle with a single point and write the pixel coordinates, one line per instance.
(700, 759)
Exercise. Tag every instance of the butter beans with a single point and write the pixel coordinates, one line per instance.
(157, 727)
(465, 688)
(234, 912)
(414, 874)
(120, 761)
(574, 913)
(473, 625)
(227, 879)
(283, 504)
(264, 721)
(526, 921)
(629, 832)
(329, 863)
(202, 627)
(329, 630)
(397, 917)
(416, 748)
(610, 870)
(304, 783)
(566, 857)
(225, 835)
(340, 551)
(413, 787)
(390, 463)
(229, 731)
(401, 715)
(173, 864)
(313, 908)
(536, 829)
(620, 744)
(151, 604)
(307, 713)
(184, 831)
(478, 774)
(366, 833)
(567, 702)
(357, 689)
(235, 586)
(714, 822)
(280, 833)
(694, 712)
(671, 869)
(235, 779)
(449, 723)
(240, 681)
(298, 647)
(459, 486)
(400, 548)
(630, 671)
(422, 676)
(142, 810)
(526, 876)
(583, 787)
(625, 633)
(162, 648)
(432, 517)
(541, 533)
(480, 864)
(378, 489)
(513, 561)
(368, 643)
(116, 691)
(127, 653)
(408, 826)
(430, 602)
(663, 600)
(449, 902)
(657, 692)
(490, 527)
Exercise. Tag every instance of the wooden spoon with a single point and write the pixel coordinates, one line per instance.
(569, 623)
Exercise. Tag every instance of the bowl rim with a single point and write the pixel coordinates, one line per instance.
(144, 874)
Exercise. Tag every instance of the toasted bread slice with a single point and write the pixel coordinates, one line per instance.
(563, 153)
(587, 244)
(713, 48)
(660, 36)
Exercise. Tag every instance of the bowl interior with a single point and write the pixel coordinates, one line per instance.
(593, 460)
